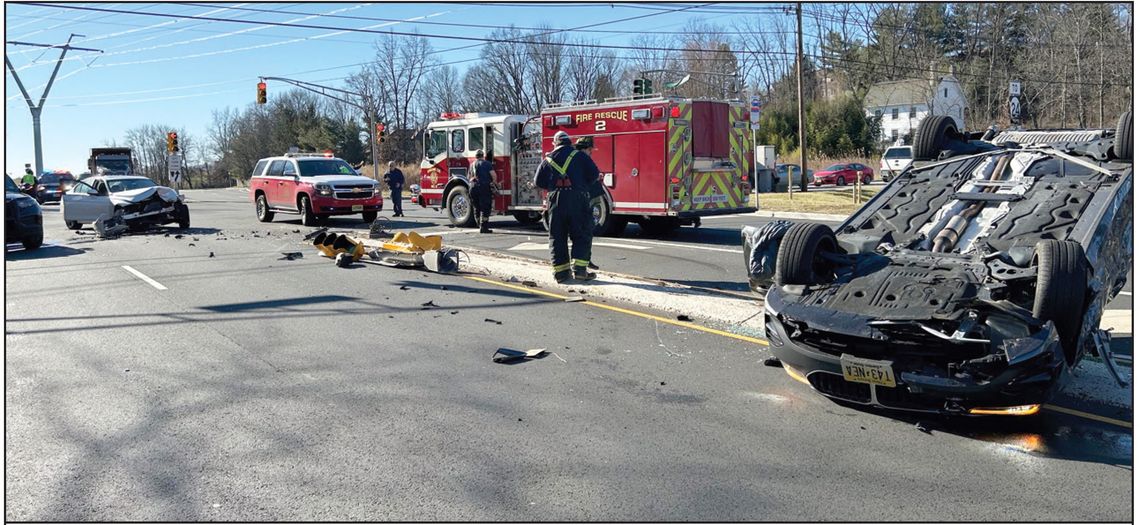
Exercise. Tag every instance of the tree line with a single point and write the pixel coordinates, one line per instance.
(1073, 59)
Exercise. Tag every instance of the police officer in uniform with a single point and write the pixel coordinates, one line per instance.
(483, 175)
(567, 177)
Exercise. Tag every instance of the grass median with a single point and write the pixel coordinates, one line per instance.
(837, 202)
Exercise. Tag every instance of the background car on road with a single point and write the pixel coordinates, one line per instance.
(313, 185)
(781, 174)
(52, 185)
(843, 174)
(895, 160)
(137, 200)
(23, 218)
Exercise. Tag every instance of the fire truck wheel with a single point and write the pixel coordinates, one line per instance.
(527, 217)
(460, 209)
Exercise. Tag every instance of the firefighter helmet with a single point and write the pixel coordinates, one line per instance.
(584, 143)
(561, 137)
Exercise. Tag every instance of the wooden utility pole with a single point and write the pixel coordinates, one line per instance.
(800, 89)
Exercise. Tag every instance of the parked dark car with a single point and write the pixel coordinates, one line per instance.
(23, 218)
(972, 284)
(52, 185)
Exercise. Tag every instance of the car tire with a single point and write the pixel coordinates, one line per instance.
(527, 217)
(369, 216)
(1123, 143)
(933, 135)
(305, 206)
(799, 261)
(183, 218)
(840, 181)
(74, 225)
(1062, 280)
(460, 207)
(33, 241)
(262, 208)
(867, 179)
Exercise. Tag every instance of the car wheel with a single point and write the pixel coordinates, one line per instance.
(801, 258)
(933, 133)
(306, 209)
(866, 180)
(33, 241)
(183, 218)
(1060, 295)
(840, 181)
(263, 213)
(369, 216)
(527, 217)
(1123, 145)
(460, 208)
(74, 225)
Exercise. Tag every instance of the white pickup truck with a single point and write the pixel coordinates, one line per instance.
(895, 160)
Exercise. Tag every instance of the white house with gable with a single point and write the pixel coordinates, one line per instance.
(904, 103)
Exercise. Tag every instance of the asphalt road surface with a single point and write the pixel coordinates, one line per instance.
(243, 386)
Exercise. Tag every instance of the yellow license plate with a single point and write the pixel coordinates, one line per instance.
(867, 371)
(357, 207)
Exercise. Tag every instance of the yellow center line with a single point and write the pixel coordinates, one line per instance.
(635, 313)
(1086, 415)
(692, 326)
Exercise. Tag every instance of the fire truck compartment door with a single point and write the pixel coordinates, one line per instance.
(627, 157)
(651, 172)
(523, 166)
(604, 157)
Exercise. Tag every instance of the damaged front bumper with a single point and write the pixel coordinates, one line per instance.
(940, 375)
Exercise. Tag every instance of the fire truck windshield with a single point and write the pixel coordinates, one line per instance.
(436, 143)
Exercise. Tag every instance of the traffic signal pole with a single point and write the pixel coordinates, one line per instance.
(367, 108)
(37, 109)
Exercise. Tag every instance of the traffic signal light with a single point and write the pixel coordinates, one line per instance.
(379, 132)
(647, 87)
(638, 86)
(171, 142)
(261, 92)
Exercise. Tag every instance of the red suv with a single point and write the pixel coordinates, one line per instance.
(841, 174)
(314, 186)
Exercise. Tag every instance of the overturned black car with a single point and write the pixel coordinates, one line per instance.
(972, 284)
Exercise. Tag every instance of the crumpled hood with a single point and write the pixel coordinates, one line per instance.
(142, 194)
(338, 180)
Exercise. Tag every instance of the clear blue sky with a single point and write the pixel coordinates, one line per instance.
(176, 71)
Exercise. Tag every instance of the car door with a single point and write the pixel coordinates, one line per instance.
(86, 202)
(275, 180)
(287, 186)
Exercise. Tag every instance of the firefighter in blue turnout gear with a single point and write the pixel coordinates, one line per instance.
(395, 180)
(482, 190)
(597, 193)
(567, 175)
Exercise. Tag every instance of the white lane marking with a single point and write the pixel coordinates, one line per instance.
(690, 246)
(1129, 294)
(616, 245)
(145, 279)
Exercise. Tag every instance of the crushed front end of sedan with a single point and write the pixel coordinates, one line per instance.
(971, 284)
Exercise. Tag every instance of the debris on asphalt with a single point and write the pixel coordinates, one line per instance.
(507, 355)
(289, 256)
(343, 259)
(211, 255)
(489, 320)
(444, 288)
(107, 228)
(453, 312)
(313, 233)
(531, 284)
(377, 229)
(193, 238)
(179, 236)
(405, 287)
(773, 362)
(575, 299)
(684, 318)
(662, 383)
(922, 427)
(166, 235)
(191, 244)
(429, 304)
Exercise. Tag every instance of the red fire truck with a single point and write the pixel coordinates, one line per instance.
(665, 161)
(449, 150)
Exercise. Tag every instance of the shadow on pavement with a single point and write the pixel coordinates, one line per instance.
(1046, 434)
(47, 251)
